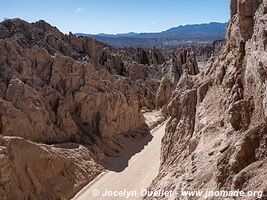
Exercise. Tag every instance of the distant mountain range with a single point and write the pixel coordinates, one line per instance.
(188, 34)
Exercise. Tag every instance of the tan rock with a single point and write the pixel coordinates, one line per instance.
(184, 61)
(215, 137)
(42, 171)
(164, 93)
(52, 91)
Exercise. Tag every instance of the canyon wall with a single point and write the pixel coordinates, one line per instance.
(64, 103)
(216, 133)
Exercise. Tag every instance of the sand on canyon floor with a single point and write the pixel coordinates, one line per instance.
(132, 174)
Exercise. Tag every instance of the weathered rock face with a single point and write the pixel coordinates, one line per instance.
(142, 56)
(50, 38)
(112, 62)
(184, 61)
(164, 93)
(59, 91)
(156, 57)
(216, 135)
(142, 67)
(150, 57)
(38, 171)
(77, 96)
(145, 81)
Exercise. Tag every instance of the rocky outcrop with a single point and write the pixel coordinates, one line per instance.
(75, 89)
(164, 93)
(149, 57)
(38, 171)
(141, 56)
(112, 62)
(184, 61)
(156, 57)
(216, 135)
(63, 105)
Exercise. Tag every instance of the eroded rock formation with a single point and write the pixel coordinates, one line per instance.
(149, 57)
(164, 93)
(184, 61)
(38, 171)
(216, 135)
(64, 102)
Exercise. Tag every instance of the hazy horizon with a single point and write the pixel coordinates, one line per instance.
(117, 16)
(157, 31)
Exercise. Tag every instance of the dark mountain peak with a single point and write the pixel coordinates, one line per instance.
(207, 28)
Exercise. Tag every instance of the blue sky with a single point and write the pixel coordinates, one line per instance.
(116, 16)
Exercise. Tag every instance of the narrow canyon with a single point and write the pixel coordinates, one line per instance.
(79, 115)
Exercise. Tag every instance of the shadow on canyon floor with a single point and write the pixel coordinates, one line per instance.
(120, 162)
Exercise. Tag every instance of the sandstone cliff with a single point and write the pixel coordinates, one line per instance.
(216, 135)
(64, 103)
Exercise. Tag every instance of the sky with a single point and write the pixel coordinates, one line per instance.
(116, 16)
